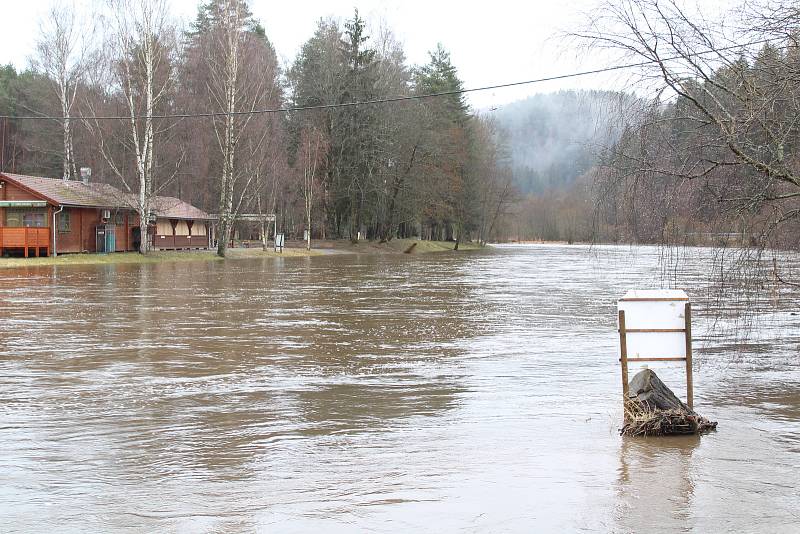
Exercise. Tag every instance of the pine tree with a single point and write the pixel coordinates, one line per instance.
(208, 17)
(441, 76)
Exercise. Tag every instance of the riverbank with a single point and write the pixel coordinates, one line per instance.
(294, 249)
(395, 246)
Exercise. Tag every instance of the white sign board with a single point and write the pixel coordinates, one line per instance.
(279, 241)
(655, 323)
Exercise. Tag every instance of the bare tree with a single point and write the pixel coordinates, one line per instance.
(61, 55)
(139, 55)
(241, 78)
(489, 161)
(312, 151)
(719, 142)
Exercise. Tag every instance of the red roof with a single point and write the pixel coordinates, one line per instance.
(175, 208)
(96, 195)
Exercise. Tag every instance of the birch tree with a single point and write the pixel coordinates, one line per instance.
(61, 55)
(241, 77)
(312, 150)
(139, 55)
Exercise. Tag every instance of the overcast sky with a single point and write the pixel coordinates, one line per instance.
(491, 42)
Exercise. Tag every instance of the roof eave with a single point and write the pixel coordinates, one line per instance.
(27, 189)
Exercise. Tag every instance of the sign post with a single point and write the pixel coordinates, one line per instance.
(656, 326)
(279, 243)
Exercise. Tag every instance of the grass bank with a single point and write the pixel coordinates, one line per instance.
(396, 246)
(122, 258)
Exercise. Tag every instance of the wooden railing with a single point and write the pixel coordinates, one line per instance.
(27, 239)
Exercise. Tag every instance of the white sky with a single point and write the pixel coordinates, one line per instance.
(491, 42)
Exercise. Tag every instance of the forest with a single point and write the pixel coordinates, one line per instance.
(701, 147)
(206, 113)
(350, 141)
(712, 157)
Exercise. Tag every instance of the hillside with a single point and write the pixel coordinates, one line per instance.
(555, 137)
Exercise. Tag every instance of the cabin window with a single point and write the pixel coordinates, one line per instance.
(119, 218)
(34, 219)
(13, 218)
(181, 228)
(163, 227)
(26, 217)
(64, 222)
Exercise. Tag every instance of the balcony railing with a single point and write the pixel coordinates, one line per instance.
(30, 239)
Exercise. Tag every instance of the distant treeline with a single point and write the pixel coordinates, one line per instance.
(555, 142)
(714, 157)
(705, 149)
(705, 152)
(422, 167)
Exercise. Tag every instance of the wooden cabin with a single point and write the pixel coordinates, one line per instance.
(179, 225)
(88, 217)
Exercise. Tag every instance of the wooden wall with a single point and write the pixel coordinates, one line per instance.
(176, 234)
(83, 223)
(12, 192)
(124, 238)
(82, 234)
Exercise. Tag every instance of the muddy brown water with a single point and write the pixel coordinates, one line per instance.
(473, 392)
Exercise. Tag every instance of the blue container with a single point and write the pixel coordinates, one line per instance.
(111, 238)
(106, 238)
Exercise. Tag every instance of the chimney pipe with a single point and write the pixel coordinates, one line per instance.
(86, 173)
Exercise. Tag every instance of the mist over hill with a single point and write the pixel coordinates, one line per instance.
(554, 138)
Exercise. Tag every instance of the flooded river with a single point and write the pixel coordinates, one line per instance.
(473, 392)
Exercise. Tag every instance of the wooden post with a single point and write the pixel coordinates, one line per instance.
(689, 381)
(623, 353)
(25, 240)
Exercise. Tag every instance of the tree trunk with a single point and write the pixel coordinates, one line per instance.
(652, 409)
(144, 241)
(308, 227)
(69, 161)
(355, 222)
(224, 236)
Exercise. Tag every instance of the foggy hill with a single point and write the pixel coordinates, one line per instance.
(553, 138)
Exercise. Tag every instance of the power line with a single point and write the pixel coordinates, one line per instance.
(393, 99)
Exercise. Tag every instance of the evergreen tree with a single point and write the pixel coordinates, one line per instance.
(452, 189)
(208, 17)
(441, 76)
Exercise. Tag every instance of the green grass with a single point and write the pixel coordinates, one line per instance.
(424, 247)
(236, 253)
(122, 258)
(421, 247)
